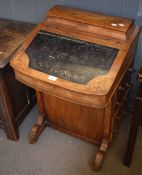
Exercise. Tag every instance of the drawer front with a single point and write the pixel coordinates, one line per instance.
(121, 100)
(122, 91)
(121, 95)
(117, 120)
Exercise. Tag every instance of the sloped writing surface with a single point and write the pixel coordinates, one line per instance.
(70, 59)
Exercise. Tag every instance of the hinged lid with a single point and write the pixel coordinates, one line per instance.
(96, 23)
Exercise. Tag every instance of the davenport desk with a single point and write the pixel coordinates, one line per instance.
(16, 99)
(80, 64)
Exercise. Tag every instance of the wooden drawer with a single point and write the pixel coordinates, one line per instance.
(123, 88)
(121, 98)
(117, 120)
(121, 95)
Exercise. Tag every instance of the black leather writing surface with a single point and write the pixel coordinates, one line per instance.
(70, 59)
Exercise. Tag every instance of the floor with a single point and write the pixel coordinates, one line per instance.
(59, 154)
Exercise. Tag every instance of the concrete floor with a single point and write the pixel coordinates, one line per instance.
(59, 154)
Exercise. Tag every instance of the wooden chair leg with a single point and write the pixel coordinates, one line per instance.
(133, 132)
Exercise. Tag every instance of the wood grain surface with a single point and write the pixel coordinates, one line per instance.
(89, 111)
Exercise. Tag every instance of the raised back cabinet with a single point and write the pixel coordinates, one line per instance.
(80, 64)
(16, 99)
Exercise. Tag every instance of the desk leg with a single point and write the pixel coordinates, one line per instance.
(41, 121)
(7, 113)
(133, 132)
(106, 139)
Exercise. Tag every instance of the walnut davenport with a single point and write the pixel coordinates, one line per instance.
(91, 111)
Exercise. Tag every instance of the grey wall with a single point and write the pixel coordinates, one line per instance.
(36, 10)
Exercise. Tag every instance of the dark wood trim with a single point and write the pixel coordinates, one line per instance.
(135, 122)
(7, 114)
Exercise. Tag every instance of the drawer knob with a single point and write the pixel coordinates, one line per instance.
(117, 118)
(131, 70)
(129, 85)
(118, 104)
(121, 88)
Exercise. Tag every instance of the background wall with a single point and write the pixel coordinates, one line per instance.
(36, 10)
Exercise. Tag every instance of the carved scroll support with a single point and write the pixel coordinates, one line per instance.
(41, 121)
(106, 140)
(100, 155)
(37, 129)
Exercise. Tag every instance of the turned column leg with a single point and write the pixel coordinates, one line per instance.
(100, 155)
(41, 121)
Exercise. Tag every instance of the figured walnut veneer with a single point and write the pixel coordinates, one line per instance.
(88, 108)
